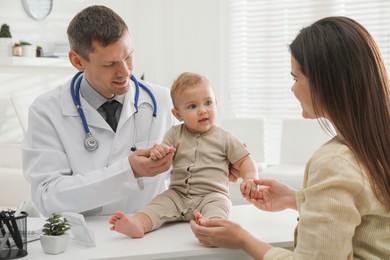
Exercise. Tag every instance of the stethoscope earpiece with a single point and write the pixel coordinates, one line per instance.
(133, 149)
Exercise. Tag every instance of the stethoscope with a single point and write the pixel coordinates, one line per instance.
(90, 143)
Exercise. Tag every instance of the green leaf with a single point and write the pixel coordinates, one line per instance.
(56, 225)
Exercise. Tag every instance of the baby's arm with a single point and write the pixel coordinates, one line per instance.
(248, 172)
(159, 151)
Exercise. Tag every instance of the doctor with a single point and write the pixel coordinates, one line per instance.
(116, 173)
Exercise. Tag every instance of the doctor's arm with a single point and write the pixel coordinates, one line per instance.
(65, 177)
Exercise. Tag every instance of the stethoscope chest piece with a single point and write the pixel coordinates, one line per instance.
(90, 143)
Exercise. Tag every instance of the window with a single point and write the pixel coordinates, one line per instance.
(258, 60)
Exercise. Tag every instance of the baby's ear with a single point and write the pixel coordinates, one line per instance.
(176, 113)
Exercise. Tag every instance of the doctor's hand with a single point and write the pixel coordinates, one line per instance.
(144, 166)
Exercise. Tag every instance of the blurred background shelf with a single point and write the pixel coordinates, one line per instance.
(35, 62)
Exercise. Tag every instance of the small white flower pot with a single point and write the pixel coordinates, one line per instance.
(54, 244)
(28, 51)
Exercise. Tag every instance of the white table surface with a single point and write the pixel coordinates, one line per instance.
(176, 240)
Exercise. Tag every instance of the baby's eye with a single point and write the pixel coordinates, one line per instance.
(192, 106)
(208, 103)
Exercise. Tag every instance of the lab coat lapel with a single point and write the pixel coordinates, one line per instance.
(67, 104)
(94, 119)
(128, 107)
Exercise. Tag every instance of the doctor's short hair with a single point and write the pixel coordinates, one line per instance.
(184, 81)
(94, 23)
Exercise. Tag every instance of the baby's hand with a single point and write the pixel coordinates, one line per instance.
(248, 189)
(198, 216)
(159, 151)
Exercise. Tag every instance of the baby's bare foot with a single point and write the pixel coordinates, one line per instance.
(127, 226)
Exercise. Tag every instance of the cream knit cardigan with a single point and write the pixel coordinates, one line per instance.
(340, 217)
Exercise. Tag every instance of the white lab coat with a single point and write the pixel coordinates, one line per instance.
(64, 176)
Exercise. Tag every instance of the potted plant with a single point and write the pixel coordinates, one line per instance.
(5, 41)
(27, 49)
(55, 238)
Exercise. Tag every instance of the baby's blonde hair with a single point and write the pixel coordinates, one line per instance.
(186, 80)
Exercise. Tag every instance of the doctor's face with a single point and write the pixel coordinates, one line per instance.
(109, 67)
(196, 106)
(301, 90)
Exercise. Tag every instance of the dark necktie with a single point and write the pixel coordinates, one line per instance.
(110, 108)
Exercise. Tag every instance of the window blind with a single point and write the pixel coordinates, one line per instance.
(258, 60)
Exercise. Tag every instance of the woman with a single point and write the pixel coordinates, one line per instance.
(344, 206)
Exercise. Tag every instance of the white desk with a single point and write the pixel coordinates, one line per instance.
(176, 240)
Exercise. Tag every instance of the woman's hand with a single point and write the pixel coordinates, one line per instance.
(227, 234)
(274, 196)
(218, 232)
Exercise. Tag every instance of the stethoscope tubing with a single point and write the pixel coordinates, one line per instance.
(136, 97)
(75, 92)
(91, 143)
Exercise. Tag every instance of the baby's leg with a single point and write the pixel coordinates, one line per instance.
(214, 205)
(135, 226)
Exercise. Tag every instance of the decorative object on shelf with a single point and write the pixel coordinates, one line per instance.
(5, 31)
(17, 49)
(37, 9)
(27, 49)
(55, 238)
(39, 51)
(5, 41)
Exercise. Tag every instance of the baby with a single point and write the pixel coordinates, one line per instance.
(200, 168)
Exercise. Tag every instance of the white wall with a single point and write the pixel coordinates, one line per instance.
(169, 37)
(172, 36)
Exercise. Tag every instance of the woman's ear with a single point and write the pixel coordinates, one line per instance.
(176, 113)
(76, 60)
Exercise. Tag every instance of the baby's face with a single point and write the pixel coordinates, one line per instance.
(196, 106)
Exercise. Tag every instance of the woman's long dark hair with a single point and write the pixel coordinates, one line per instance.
(349, 83)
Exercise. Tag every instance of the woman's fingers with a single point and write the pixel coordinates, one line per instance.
(264, 182)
